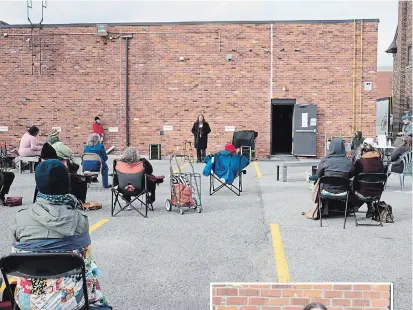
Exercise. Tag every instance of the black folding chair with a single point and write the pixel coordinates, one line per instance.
(343, 183)
(236, 189)
(139, 194)
(43, 266)
(375, 181)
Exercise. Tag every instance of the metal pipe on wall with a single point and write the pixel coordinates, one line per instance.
(126, 38)
(354, 76)
(361, 74)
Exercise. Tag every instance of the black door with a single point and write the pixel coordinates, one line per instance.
(282, 126)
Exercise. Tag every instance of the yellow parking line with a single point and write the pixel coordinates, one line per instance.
(182, 167)
(91, 229)
(97, 224)
(280, 259)
(257, 170)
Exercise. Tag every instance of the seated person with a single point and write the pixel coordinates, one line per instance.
(55, 223)
(6, 180)
(315, 306)
(29, 146)
(62, 150)
(78, 187)
(357, 140)
(225, 164)
(94, 145)
(357, 152)
(334, 164)
(406, 146)
(407, 127)
(369, 162)
(131, 162)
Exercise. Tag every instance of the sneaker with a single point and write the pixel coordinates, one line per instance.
(128, 208)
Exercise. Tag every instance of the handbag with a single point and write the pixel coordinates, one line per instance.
(383, 211)
(14, 201)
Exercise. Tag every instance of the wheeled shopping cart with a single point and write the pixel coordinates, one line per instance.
(185, 186)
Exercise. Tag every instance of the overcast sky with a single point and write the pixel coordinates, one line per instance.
(14, 12)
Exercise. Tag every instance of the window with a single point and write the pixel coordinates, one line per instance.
(409, 55)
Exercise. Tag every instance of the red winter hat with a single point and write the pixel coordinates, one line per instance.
(230, 148)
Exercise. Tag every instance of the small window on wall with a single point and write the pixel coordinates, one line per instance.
(409, 55)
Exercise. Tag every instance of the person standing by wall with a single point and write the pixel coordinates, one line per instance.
(200, 130)
(98, 128)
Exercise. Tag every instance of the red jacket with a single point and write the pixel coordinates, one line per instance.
(97, 128)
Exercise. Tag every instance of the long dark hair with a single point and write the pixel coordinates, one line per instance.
(33, 130)
(203, 118)
(315, 305)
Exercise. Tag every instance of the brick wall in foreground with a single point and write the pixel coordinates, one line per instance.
(297, 296)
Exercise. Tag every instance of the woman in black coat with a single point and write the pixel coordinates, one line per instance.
(200, 130)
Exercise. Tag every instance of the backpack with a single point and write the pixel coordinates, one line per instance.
(383, 211)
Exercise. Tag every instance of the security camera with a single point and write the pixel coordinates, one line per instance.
(5, 35)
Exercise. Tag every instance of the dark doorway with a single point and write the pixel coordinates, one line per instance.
(282, 111)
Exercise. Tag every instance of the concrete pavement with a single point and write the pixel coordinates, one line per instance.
(168, 260)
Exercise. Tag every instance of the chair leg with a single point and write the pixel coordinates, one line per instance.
(319, 212)
(112, 206)
(345, 213)
(401, 181)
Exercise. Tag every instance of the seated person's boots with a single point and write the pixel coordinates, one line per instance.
(370, 210)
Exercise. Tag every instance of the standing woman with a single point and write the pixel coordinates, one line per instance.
(200, 130)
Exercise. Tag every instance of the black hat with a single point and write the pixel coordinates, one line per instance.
(52, 178)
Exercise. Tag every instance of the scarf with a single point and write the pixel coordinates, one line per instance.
(61, 200)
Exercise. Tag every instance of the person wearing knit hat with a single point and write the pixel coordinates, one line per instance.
(62, 150)
(56, 222)
(230, 148)
(407, 127)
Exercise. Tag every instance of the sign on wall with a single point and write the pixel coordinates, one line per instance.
(229, 128)
(168, 128)
(4, 128)
(113, 129)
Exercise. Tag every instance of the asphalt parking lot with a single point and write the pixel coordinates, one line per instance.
(168, 260)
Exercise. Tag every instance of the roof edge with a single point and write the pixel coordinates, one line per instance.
(332, 21)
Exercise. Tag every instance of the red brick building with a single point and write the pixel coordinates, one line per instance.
(384, 82)
(65, 75)
(401, 48)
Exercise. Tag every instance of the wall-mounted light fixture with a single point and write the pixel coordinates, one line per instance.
(182, 59)
(229, 57)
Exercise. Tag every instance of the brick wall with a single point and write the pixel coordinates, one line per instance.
(77, 75)
(402, 76)
(384, 85)
(297, 296)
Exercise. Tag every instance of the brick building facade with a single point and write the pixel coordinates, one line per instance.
(64, 75)
(280, 296)
(384, 82)
(401, 48)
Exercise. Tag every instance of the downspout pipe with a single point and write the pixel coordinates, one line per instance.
(127, 38)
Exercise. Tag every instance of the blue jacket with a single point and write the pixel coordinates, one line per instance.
(92, 165)
(226, 165)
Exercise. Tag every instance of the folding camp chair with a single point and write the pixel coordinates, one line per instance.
(236, 189)
(91, 157)
(43, 266)
(344, 183)
(372, 180)
(131, 188)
